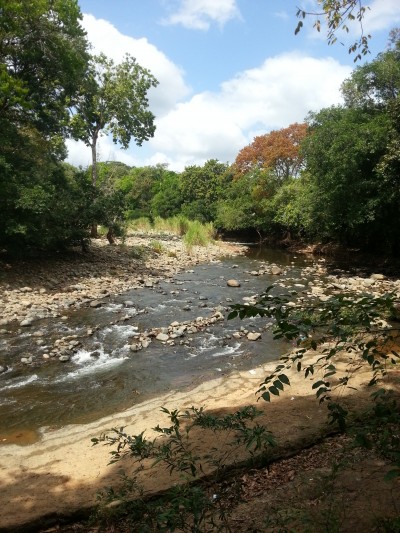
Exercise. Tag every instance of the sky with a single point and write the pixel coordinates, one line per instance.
(228, 70)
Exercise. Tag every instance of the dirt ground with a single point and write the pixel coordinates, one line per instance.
(312, 483)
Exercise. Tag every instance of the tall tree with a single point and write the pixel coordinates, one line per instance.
(43, 57)
(277, 152)
(113, 100)
(42, 60)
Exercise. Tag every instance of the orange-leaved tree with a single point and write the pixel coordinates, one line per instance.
(277, 152)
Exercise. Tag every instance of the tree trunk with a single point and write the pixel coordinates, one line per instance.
(110, 236)
(93, 229)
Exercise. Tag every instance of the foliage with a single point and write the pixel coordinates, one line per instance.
(277, 151)
(192, 504)
(42, 59)
(342, 153)
(338, 14)
(168, 199)
(140, 186)
(375, 84)
(340, 325)
(201, 188)
(113, 100)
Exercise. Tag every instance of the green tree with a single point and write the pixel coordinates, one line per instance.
(109, 203)
(342, 155)
(167, 201)
(42, 60)
(43, 57)
(202, 187)
(114, 101)
(374, 84)
(139, 187)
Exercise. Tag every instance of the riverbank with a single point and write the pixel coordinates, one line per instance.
(62, 473)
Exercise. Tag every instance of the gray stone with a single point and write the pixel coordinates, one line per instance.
(95, 304)
(26, 323)
(64, 358)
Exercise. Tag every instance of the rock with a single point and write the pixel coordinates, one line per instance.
(378, 277)
(186, 308)
(233, 283)
(275, 270)
(95, 304)
(253, 336)
(26, 323)
(96, 353)
(128, 303)
(135, 347)
(3, 368)
(64, 358)
(163, 337)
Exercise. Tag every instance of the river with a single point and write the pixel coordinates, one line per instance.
(104, 376)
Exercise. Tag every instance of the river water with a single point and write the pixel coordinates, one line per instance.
(104, 376)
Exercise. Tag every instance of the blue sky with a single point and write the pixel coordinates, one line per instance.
(228, 70)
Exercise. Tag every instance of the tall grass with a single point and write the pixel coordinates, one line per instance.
(194, 233)
(198, 234)
(177, 225)
(140, 224)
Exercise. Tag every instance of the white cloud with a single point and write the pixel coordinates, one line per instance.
(383, 14)
(214, 124)
(105, 38)
(200, 14)
(217, 125)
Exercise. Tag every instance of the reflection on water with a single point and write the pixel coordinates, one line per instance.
(104, 375)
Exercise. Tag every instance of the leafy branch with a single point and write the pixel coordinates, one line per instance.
(356, 327)
(338, 14)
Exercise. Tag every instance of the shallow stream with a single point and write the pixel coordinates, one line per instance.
(104, 376)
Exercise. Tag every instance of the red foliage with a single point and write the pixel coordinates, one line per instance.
(278, 151)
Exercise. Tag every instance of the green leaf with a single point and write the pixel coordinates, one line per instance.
(284, 379)
(278, 384)
(266, 396)
(274, 390)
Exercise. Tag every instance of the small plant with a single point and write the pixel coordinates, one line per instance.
(157, 247)
(192, 504)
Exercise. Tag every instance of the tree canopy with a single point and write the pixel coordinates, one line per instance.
(113, 99)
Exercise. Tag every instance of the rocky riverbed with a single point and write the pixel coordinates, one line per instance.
(45, 287)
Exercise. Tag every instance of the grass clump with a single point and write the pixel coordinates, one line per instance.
(198, 234)
(157, 246)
